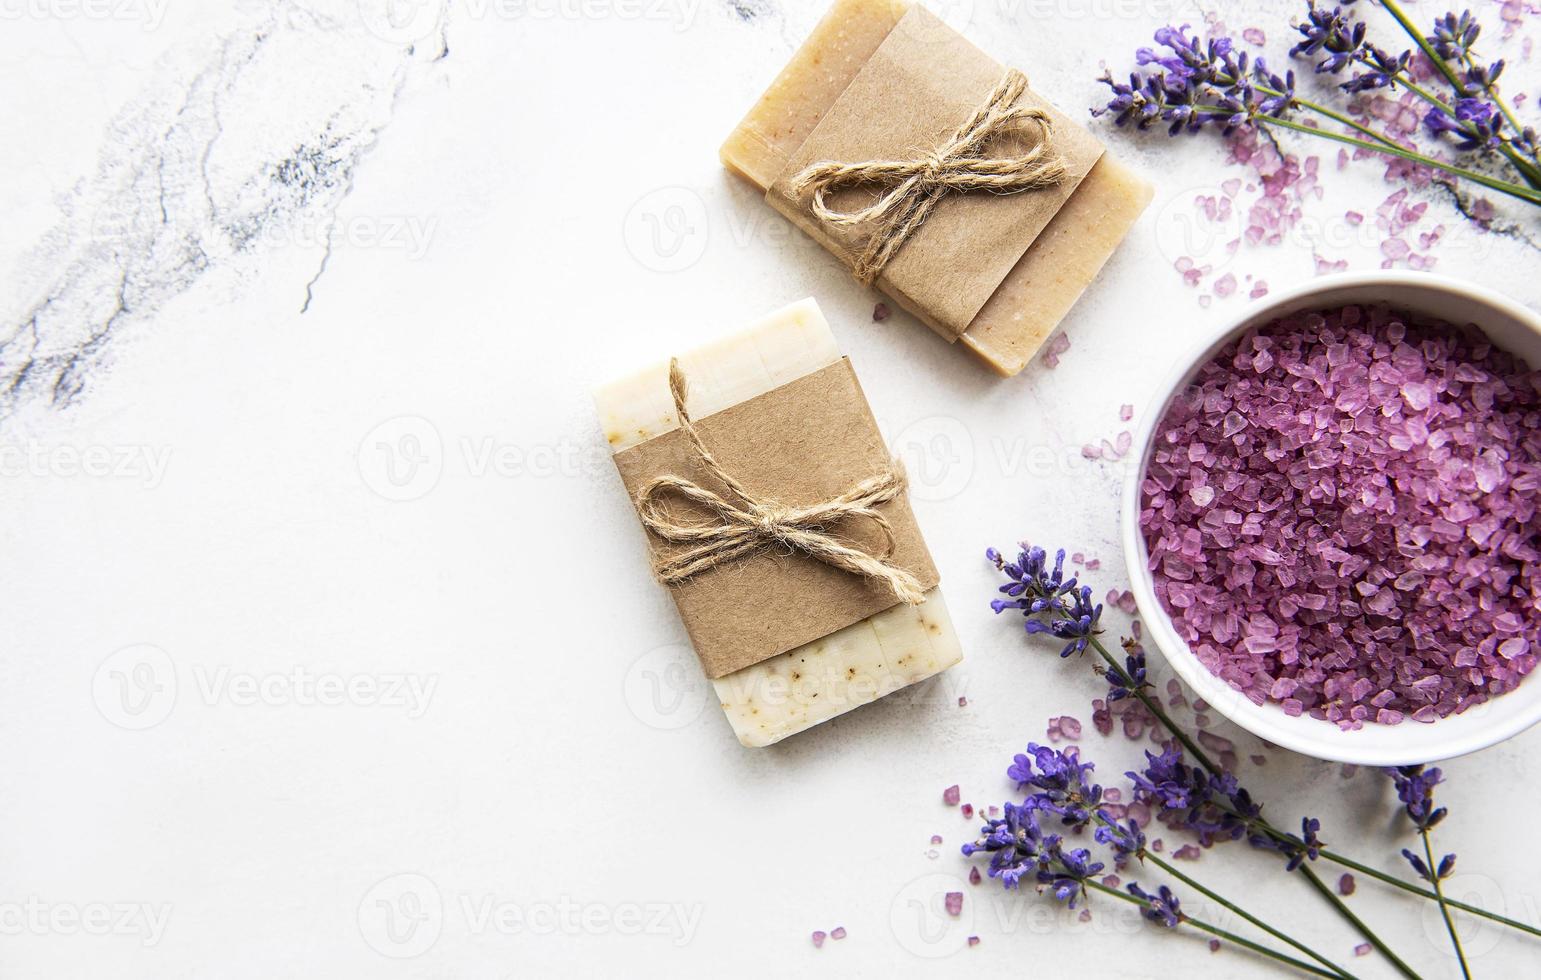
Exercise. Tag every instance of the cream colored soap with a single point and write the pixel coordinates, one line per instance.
(1054, 271)
(851, 667)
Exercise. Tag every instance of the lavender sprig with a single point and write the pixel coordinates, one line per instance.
(1188, 83)
(1029, 583)
(1415, 788)
(1020, 848)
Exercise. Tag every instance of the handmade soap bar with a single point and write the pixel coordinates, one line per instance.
(793, 691)
(1048, 278)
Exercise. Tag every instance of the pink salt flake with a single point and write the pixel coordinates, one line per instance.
(818, 938)
(1363, 949)
(1054, 349)
(1346, 884)
(1069, 727)
(1254, 35)
(962, 702)
(1090, 451)
(1259, 290)
(974, 876)
(968, 811)
(936, 838)
(1353, 218)
(1340, 514)
(951, 795)
(973, 940)
(1125, 413)
(954, 904)
(1188, 852)
(837, 933)
(1214, 945)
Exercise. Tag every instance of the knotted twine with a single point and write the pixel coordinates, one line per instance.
(749, 523)
(916, 186)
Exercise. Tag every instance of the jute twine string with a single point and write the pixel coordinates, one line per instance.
(749, 523)
(916, 186)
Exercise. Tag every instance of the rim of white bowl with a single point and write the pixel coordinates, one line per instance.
(1379, 745)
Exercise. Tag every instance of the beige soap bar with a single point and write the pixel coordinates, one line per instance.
(1054, 271)
(798, 689)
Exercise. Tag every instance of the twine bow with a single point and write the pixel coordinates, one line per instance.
(747, 523)
(916, 186)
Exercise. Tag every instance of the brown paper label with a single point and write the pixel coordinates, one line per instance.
(922, 83)
(800, 444)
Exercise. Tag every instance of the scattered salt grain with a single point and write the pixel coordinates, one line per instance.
(936, 838)
(954, 904)
(880, 313)
(973, 940)
(974, 876)
(1055, 349)
(818, 939)
(1363, 949)
(1346, 885)
(951, 795)
(837, 933)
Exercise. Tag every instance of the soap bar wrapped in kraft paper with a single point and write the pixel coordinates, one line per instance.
(936, 174)
(780, 524)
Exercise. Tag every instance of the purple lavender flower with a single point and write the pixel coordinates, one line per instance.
(1297, 850)
(1383, 69)
(1168, 783)
(1067, 881)
(1126, 839)
(1332, 32)
(1454, 36)
(1119, 684)
(1446, 866)
(1476, 124)
(1162, 907)
(1192, 83)
(1050, 603)
(1061, 780)
(1415, 788)
(1017, 845)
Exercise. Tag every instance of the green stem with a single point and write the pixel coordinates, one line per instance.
(1493, 183)
(1222, 934)
(1203, 759)
(1527, 170)
(1191, 883)
(1412, 889)
(1444, 910)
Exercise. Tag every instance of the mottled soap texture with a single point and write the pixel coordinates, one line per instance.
(1341, 516)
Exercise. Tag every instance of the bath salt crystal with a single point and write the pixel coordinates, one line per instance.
(1340, 511)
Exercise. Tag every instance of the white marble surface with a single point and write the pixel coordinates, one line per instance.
(329, 646)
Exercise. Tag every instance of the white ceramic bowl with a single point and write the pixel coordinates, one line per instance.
(1510, 326)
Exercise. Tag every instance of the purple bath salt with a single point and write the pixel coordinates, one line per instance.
(1341, 514)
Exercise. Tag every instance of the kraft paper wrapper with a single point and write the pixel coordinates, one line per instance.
(804, 442)
(923, 82)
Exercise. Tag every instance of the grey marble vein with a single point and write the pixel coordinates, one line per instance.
(201, 174)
